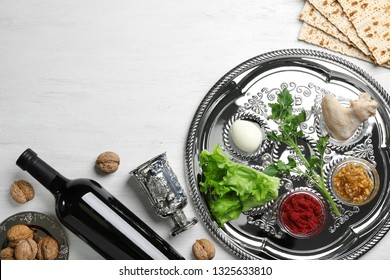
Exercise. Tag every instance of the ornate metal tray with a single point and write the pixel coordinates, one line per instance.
(244, 93)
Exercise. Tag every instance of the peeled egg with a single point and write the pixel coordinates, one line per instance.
(246, 135)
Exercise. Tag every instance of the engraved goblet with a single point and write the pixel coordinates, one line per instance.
(164, 191)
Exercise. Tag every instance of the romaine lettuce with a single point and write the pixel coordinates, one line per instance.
(231, 188)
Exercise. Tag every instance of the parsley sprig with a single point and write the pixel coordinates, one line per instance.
(289, 126)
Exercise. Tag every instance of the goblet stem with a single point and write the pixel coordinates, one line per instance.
(181, 222)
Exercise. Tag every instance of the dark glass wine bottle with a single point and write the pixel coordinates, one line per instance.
(97, 217)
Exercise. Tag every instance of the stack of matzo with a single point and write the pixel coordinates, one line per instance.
(358, 28)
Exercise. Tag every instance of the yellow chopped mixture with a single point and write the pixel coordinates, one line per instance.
(352, 183)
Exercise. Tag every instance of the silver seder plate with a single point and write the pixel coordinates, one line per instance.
(244, 93)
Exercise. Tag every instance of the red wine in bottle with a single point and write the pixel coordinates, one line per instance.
(97, 217)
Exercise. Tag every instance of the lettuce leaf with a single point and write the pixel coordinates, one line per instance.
(231, 188)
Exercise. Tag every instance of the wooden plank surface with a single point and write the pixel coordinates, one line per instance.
(80, 77)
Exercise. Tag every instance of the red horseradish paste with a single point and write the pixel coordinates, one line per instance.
(301, 213)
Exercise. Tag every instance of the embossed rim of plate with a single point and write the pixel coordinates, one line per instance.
(48, 223)
(199, 204)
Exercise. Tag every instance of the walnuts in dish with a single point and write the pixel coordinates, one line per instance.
(107, 162)
(25, 244)
(203, 249)
(22, 191)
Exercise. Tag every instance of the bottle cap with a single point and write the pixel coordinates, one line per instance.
(26, 158)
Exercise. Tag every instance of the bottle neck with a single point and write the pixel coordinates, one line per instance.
(41, 171)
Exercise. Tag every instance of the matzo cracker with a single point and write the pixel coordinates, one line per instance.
(313, 17)
(334, 12)
(315, 36)
(371, 19)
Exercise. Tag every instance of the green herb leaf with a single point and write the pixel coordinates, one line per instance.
(280, 168)
(321, 144)
(285, 99)
(271, 170)
(274, 137)
(314, 162)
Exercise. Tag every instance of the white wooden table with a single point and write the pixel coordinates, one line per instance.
(80, 77)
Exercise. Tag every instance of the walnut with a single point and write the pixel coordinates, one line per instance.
(107, 162)
(203, 249)
(7, 253)
(22, 191)
(26, 249)
(19, 232)
(47, 248)
(36, 236)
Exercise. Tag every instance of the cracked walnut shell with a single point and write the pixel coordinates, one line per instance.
(26, 249)
(7, 253)
(19, 232)
(203, 249)
(47, 248)
(22, 191)
(107, 162)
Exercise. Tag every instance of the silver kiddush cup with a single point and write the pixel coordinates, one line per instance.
(164, 191)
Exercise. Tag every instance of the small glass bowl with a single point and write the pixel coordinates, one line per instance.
(285, 217)
(371, 172)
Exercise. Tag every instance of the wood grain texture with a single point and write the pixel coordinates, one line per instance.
(80, 77)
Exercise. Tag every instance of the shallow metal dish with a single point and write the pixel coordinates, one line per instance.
(43, 224)
(309, 75)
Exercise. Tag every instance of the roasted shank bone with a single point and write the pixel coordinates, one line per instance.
(342, 122)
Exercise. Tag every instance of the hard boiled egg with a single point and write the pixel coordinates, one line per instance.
(246, 135)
